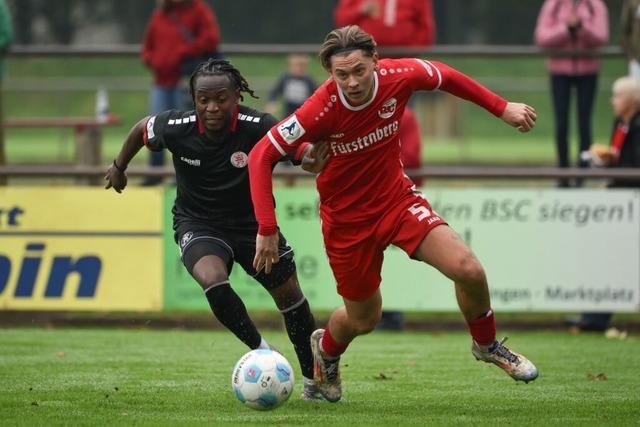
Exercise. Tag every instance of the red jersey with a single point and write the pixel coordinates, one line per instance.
(364, 177)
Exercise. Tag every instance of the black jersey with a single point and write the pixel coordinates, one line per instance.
(212, 176)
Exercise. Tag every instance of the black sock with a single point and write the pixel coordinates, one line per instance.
(300, 325)
(231, 312)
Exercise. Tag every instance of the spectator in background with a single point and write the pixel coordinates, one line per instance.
(624, 149)
(180, 35)
(294, 87)
(622, 152)
(573, 25)
(630, 36)
(390, 22)
(5, 41)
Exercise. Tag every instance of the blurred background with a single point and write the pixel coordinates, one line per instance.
(56, 85)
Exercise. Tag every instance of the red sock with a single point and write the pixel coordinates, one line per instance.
(483, 329)
(330, 346)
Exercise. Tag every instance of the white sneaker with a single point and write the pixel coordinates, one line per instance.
(326, 371)
(514, 364)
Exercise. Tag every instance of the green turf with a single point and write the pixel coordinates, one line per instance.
(116, 377)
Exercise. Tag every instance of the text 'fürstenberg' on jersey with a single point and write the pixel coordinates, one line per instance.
(364, 141)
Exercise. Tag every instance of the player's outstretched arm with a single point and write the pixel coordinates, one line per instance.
(261, 160)
(116, 177)
(520, 116)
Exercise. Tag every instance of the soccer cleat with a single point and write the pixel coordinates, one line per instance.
(326, 372)
(310, 393)
(514, 364)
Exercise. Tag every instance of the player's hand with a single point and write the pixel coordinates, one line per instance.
(316, 157)
(116, 179)
(266, 252)
(520, 116)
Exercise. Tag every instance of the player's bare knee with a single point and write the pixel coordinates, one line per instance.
(470, 272)
(365, 325)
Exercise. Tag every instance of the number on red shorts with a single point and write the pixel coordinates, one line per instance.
(420, 211)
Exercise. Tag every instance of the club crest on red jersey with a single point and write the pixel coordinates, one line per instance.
(388, 108)
(291, 129)
(239, 159)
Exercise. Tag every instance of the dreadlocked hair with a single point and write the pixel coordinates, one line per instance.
(216, 67)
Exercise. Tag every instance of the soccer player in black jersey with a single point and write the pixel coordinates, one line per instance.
(213, 214)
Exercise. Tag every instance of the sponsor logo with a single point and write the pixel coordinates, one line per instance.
(239, 159)
(388, 108)
(9, 216)
(375, 136)
(291, 130)
(186, 237)
(84, 270)
(150, 123)
(192, 162)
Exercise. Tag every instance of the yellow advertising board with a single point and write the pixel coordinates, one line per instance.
(80, 248)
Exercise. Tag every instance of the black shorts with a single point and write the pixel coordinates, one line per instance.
(198, 239)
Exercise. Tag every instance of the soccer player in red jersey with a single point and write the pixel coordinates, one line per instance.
(368, 203)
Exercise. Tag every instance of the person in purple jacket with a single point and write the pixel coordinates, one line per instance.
(573, 26)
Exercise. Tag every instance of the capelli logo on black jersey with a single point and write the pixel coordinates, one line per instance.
(192, 162)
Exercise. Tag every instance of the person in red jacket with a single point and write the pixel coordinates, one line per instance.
(180, 35)
(390, 22)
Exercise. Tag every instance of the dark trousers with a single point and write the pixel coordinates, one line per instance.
(561, 87)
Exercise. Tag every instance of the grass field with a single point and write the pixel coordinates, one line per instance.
(116, 377)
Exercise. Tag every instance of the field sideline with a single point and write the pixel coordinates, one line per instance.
(108, 376)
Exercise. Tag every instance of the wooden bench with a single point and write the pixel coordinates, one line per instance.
(87, 133)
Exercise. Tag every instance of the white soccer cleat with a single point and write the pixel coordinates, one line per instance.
(326, 372)
(516, 365)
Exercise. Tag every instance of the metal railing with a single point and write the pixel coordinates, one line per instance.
(439, 172)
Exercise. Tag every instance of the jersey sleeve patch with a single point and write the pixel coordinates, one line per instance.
(150, 133)
(291, 130)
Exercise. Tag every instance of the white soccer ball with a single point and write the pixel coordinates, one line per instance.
(262, 379)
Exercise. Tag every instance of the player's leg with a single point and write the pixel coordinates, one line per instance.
(345, 324)
(300, 324)
(209, 260)
(355, 257)
(445, 250)
(283, 286)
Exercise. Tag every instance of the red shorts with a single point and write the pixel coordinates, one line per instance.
(356, 252)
